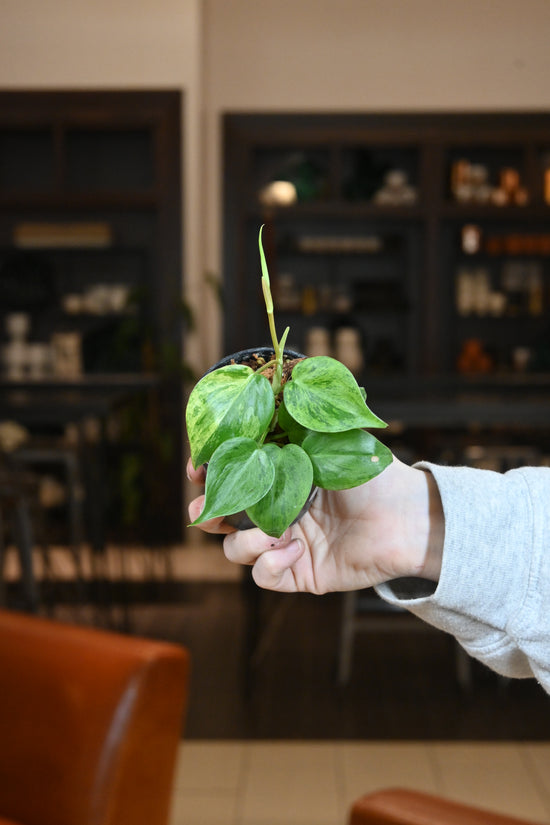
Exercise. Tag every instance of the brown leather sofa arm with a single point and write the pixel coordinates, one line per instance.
(90, 724)
(398, 806)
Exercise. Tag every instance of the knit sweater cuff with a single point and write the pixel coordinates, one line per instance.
(485, 570)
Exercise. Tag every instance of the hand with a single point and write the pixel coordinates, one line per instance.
(392, 526)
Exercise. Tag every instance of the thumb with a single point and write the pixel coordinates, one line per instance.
(273, 568)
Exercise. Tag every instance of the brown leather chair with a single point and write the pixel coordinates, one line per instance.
(90, 723)
(397, 806)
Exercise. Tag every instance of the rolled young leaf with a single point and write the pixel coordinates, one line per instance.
(289, 492)
(324, 396)
(229, 402)
(239, 474)
(344, 460)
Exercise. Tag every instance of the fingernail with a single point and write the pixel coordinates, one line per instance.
(283, 540)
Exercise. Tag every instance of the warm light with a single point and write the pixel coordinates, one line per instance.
(278, 193)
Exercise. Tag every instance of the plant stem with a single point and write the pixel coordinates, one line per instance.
(268, 298)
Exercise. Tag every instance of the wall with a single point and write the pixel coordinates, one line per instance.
(366, 55)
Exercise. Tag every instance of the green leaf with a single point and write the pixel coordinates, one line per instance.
(296, 433)
(324, 396)
(289, 492)
(344, 460)
(231, 401)
(239, 474)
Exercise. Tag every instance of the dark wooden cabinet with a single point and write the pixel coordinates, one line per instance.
(376, 233)
(91, 243)
(426, 234)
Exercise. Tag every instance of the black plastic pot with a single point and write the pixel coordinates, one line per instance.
(240, 520)
(245, 354)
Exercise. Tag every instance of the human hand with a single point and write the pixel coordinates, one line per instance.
(392, 526)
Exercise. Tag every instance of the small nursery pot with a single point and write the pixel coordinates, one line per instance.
(244, 354)
(240, 520)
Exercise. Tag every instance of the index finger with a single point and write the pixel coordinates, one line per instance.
(198, 475)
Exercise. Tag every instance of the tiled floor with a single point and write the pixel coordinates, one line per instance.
(304, 783)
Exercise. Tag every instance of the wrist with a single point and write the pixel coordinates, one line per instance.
(429, 533)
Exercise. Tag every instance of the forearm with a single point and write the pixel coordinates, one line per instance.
(494, 586)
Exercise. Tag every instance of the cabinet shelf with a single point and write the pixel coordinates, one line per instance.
(110, 159)
(421, 321)
(56, 201)
(340, 209)
(489, 212)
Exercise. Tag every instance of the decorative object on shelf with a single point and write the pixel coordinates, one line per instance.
(474, 295)
(521, 358)
(470, 184)
(396, 190)
(473, 358)
(339, 244)
(471, 236)
(15, 352)
(39, 360)
(318, 342)
(510, 192)
(278, 193)
(521, 290)
(12, 436)
(18, 325)
(23, 358)
(348, 348)
(522, 282)
(98, 299)
(67, 354)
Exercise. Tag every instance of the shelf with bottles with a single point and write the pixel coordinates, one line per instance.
(502, 271)
(500, 176)
(480, 355)
(487, 175)
(330, 271)
(367, 346)
(511, 289)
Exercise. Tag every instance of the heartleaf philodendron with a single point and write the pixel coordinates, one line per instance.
(269, 437)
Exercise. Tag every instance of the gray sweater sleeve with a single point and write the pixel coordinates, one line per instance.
(493, 594)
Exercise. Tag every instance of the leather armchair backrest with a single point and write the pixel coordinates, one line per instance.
(89, 724)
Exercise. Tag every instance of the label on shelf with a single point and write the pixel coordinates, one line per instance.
(62, 235)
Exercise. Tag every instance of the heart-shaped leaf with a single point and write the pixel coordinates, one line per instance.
(344, 460)
(296, 433)
(229, 402)
(239, 474)
(289, 492)
(324, 396)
